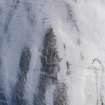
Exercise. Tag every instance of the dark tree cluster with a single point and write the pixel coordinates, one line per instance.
(3, 100)
(60, 94)
(50, 67)
(50, 59)
(50, 64)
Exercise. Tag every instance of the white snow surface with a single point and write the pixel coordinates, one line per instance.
(79, 24)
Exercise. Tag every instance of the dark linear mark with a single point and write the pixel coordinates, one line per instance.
(10, 15)
(64, 46)
(71, 16)
(30, 15)
(68, 67)
(18, 93)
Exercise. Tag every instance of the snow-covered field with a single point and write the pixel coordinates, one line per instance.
(79, 29)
